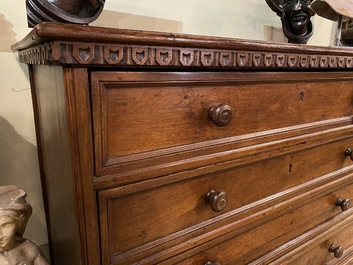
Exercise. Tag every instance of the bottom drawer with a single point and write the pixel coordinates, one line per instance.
(246, 247)
(330, 243)
(347, 258)
(327, 250)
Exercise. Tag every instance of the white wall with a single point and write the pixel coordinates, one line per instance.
(18, 152)
(250, 19)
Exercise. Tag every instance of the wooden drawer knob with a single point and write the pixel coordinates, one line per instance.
(344, 203)
(218, 200)
(337, 251)
(221, 115)
(212, 263)
(349, 153)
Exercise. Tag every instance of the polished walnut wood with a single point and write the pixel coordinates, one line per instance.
(161, 148)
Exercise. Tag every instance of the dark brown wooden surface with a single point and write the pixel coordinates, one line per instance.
(128, 150)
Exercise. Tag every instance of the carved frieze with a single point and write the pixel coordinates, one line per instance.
(75, 53)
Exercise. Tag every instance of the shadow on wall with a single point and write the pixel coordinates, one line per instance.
(8, 36)
(19, 166)
(114, 19)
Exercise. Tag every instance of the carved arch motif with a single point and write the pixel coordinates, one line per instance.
(75, 53)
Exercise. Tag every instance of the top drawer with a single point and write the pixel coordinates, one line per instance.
(139, 115)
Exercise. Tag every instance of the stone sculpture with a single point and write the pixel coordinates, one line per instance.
(14, 214)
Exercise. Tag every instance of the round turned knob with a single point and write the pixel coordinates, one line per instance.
(221, 115)
(349, 153)
(212, 263)
(337, 251)
(217, 199)
(344, 203)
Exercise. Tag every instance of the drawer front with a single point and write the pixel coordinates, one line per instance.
(137, 219)
(246, 247)
(142, 115)
(328, 250)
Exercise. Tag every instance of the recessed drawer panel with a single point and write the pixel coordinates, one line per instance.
(148, 212)
(142, 115)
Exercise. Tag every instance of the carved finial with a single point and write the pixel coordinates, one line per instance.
(65, 11)
(295, 17)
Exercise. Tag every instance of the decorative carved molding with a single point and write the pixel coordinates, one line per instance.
(75, 53)
(39, 54)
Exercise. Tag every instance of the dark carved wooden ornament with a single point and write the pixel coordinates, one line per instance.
(295, 17)
(66, 11)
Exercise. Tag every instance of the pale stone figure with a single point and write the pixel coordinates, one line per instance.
(14, 214)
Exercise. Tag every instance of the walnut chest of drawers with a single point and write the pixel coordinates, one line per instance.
(161, 148)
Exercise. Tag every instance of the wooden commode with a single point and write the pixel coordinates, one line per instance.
(161, 148)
